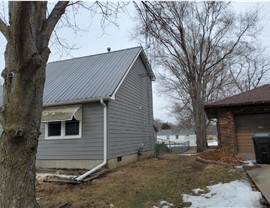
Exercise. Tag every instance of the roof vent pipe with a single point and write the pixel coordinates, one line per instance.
(109, 49)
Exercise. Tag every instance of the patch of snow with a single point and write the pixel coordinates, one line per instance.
(212, 143)
(198, 190)
(41, 176)
(247, 163)
(250, 162)
(188, 154)
(234, 194)
(164, 204)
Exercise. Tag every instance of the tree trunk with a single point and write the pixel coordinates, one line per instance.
(199, 117)
(18, 144)
(26, 56)
(21, 111)
(200, 130)
(17, 171)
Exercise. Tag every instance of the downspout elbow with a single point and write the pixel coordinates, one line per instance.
(102, 103)
(105, 145)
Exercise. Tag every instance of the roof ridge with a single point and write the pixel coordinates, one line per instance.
(97, 54)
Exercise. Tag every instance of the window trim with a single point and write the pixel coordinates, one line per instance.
(63, 136)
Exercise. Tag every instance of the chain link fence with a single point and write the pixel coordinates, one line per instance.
(165, 146)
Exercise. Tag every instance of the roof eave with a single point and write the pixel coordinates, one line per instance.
(263, 102)
(72, 102)
(147, 65)
(212, 110)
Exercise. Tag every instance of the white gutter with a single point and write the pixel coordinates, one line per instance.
(72, 102)
(81, 177)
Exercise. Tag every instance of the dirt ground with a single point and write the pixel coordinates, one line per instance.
(141, 184)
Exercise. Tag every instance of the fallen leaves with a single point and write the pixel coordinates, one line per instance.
(222, 156)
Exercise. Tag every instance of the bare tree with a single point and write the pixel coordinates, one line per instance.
(249, 70)
(158, 123)
(193, 43)
(28, 32)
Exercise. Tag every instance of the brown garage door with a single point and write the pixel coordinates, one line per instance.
(246, 126)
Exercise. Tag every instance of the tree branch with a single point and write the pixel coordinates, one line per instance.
(4, 28)
(55, 15)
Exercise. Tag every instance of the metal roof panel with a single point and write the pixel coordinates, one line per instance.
(89, 78)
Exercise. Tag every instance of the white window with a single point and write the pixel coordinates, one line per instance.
(168, 137)
(62, 122)
(177, 136)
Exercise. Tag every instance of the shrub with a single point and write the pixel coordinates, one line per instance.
(161, 148)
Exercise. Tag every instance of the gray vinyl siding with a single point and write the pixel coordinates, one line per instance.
(128, 125)
(90, 146)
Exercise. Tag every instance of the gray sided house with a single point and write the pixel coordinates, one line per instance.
(97, 108)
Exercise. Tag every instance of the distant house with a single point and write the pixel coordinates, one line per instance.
(239, 117)
(177, 136)
(97, 108)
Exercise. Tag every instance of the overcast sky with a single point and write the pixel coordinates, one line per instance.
(94, 41)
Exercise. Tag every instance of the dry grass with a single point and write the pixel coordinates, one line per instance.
(141, 184)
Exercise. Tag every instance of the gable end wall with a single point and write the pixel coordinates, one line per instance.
(130, 115)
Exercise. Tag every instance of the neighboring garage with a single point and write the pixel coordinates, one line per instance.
(246, 126)
(239, 117)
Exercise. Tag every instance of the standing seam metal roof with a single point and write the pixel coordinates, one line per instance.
(89, 78)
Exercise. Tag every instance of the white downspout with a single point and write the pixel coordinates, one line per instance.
(81, 177)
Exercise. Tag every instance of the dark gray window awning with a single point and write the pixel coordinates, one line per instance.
(61, 113)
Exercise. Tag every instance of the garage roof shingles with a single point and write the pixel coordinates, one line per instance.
(260, 95)
(256, 97)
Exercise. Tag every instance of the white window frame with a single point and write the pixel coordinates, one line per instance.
(63, 130)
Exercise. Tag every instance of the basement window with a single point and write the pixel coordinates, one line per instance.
(62, 122)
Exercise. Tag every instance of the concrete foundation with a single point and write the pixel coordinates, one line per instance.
(67, 164)
(120, 161)
(88, 164)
